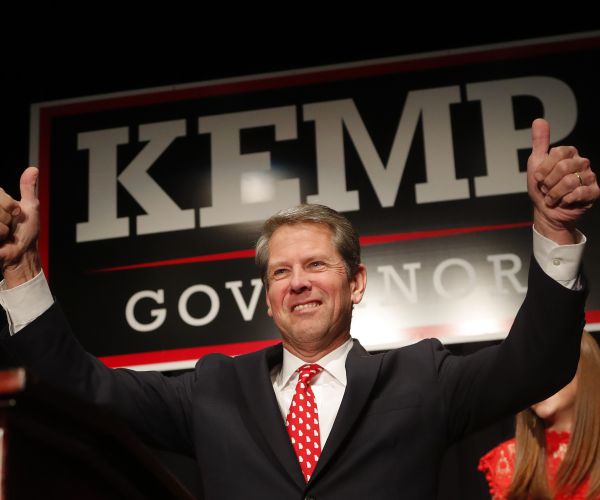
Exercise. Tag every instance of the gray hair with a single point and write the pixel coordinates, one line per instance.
(345, 237)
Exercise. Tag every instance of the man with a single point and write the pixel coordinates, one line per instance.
(378, 425)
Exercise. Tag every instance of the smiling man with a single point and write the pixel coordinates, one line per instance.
(317, 416)
(310, 287)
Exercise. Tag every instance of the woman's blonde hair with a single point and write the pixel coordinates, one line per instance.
(582, 459)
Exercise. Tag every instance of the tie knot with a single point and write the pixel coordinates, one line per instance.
(308, 372)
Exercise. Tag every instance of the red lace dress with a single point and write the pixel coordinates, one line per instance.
(498, 465)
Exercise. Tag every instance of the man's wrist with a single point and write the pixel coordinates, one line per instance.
(559, 233)
(561, 262)
(26, 302)
(27, 269)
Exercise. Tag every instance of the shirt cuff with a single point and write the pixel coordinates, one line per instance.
(25, 302)
(560, 262)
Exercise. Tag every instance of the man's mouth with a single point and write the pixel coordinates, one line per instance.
(306, 306)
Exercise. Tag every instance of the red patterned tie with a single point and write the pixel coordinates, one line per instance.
(302, 422)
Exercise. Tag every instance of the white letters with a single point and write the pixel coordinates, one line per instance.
(159, 314)
(463, 280)
(102, 222)
(462, 291)
(389, 274)
(442, 184)
(509, 274)
(245, 188)
(329, 118)
(162, 213)
(433, 105)
(247, 311)
(209, 316)
(232, 170)
(501, 139)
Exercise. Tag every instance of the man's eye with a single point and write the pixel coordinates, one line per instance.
(317, 264)
(277, 273)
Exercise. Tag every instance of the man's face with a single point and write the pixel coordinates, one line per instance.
(309, 295)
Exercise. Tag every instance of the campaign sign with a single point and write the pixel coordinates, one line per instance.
(153, 199)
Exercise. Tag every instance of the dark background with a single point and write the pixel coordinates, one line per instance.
(56, 66)
(50, 69)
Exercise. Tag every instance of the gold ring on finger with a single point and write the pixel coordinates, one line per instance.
(579, 177)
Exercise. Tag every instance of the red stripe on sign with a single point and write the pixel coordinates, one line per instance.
(236, 254)
(184, 354)
(44, 193)
(330, 73)
(436, 233)
(452, 330)
(592, 317)
(380, 239)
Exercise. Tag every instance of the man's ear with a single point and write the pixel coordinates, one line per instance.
(358, 284)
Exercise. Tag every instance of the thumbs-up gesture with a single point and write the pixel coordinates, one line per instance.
(561, 185)
(19, 230)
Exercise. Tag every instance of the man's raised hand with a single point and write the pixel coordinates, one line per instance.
(561, 185)
(19, 230)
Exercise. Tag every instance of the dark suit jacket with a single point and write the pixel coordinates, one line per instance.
(400, 411)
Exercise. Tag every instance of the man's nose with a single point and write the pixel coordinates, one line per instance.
(300, 280)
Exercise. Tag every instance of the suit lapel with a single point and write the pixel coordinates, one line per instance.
(262, 405)
(361, 373)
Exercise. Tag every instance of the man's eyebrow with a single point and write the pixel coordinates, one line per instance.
(310, 258)
(277, 263)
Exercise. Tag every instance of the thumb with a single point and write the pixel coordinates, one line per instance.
(540, 140)
(28, 184)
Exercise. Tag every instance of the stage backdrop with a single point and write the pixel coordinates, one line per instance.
(152, 199)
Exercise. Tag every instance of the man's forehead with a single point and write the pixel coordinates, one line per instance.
(302, 230)
(289, 231)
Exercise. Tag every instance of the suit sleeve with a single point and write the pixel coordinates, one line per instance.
(538, 357)
(156, 406)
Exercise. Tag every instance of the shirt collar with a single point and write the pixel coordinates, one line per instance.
(334, 363)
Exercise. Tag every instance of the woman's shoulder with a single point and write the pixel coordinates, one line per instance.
(498, 467)
(502, 455)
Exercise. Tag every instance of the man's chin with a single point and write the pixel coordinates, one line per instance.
(307, 335)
